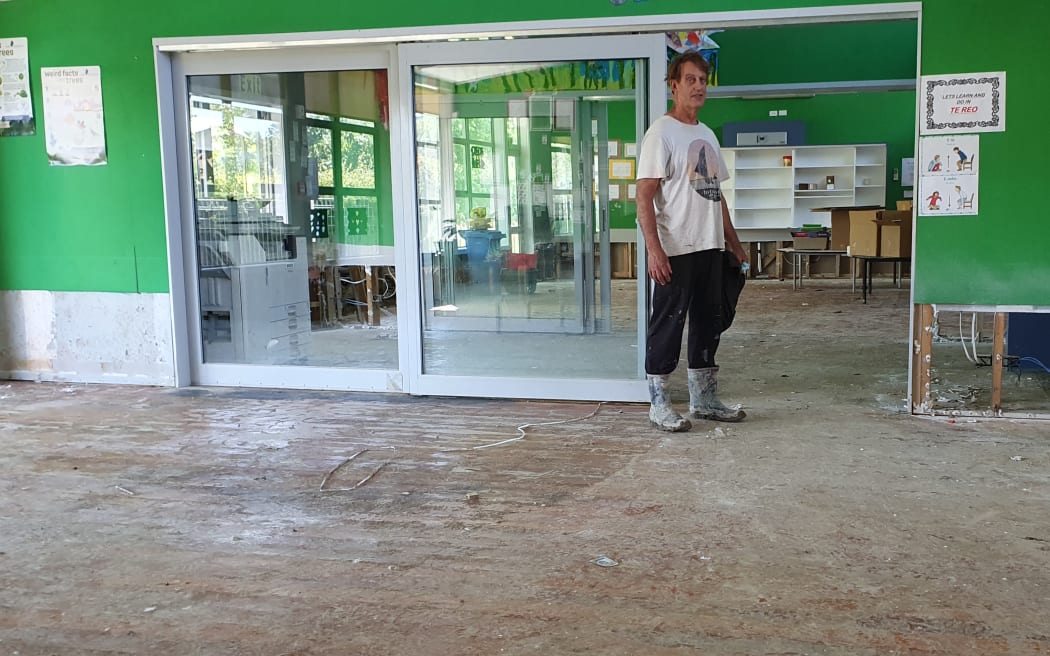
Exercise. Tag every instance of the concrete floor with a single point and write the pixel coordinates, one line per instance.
(159, 521)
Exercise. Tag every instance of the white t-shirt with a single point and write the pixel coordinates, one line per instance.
(688, 162)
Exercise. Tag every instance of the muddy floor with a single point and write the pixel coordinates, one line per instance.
(159, 521)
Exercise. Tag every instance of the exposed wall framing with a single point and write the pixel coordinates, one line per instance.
(922, 364)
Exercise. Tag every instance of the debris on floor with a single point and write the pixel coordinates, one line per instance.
(605, 561)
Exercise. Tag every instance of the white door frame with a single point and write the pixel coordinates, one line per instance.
(648, 47)
(729, 19)
(173, 72)
(256, 46)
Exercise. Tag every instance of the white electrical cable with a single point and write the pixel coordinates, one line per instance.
(962, 340)
(974, 334)
(521, 430)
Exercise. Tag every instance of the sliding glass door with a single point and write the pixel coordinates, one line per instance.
(453, 218)
(289, 218)
(524, 173)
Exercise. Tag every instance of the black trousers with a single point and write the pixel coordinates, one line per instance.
(695, 292)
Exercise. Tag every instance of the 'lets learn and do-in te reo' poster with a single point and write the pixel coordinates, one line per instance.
(16, 100)
(73, 118)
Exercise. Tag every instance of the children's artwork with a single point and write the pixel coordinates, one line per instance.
(948, 179)
(16, 99)
(621, 169)
(73, 118)
(630, 149)
(699, 41)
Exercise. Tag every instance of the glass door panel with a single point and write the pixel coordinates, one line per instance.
(515, 217)
(293, 216)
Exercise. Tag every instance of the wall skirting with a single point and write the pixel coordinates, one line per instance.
(93, 337)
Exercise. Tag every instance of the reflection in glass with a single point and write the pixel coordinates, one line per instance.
(294, 222)
(515, 219)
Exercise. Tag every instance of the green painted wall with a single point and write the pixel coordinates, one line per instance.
(102, 229)
(1002, 255)
(622, 127)
(817, 53)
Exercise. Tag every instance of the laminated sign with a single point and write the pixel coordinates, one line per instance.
(73, 117)
(948, 179)
(971, 102)
(16, 99)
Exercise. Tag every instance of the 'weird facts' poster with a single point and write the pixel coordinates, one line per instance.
(73, 119)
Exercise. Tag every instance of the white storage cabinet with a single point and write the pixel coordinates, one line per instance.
(764, 191)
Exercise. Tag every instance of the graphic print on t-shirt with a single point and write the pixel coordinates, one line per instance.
(703, 166)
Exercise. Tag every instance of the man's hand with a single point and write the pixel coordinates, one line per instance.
(659, 266)
(739, 253)
(733, 244)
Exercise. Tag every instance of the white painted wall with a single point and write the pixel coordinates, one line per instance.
(86, 337)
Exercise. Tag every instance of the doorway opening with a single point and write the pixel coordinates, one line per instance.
(511, 264)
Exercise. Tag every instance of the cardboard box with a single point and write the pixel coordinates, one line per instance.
(840, 224)
(904, 205)
(895, 234)
(866, 233)
(811, 243)
(624, 260)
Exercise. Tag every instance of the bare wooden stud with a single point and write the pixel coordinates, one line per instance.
(370, 290)
(998, 356)
(922, 359)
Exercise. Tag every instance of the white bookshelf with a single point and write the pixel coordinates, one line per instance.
(763, 192)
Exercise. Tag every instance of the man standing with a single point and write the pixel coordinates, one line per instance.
(686, 225)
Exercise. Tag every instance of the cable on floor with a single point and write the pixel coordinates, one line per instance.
(521, 431)
(1034, 361)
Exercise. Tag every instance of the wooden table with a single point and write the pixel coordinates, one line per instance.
(866, 262)
(796, 262)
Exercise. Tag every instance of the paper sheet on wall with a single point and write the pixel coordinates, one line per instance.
(621, 169)
(948, 179)
(74, 124)
(963, 102)
(16, 98)
(907, 171)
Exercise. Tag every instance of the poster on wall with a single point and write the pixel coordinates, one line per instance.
(948, 180)
(16, 99)
(698, 40)
(74, 125)
(971, 102)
